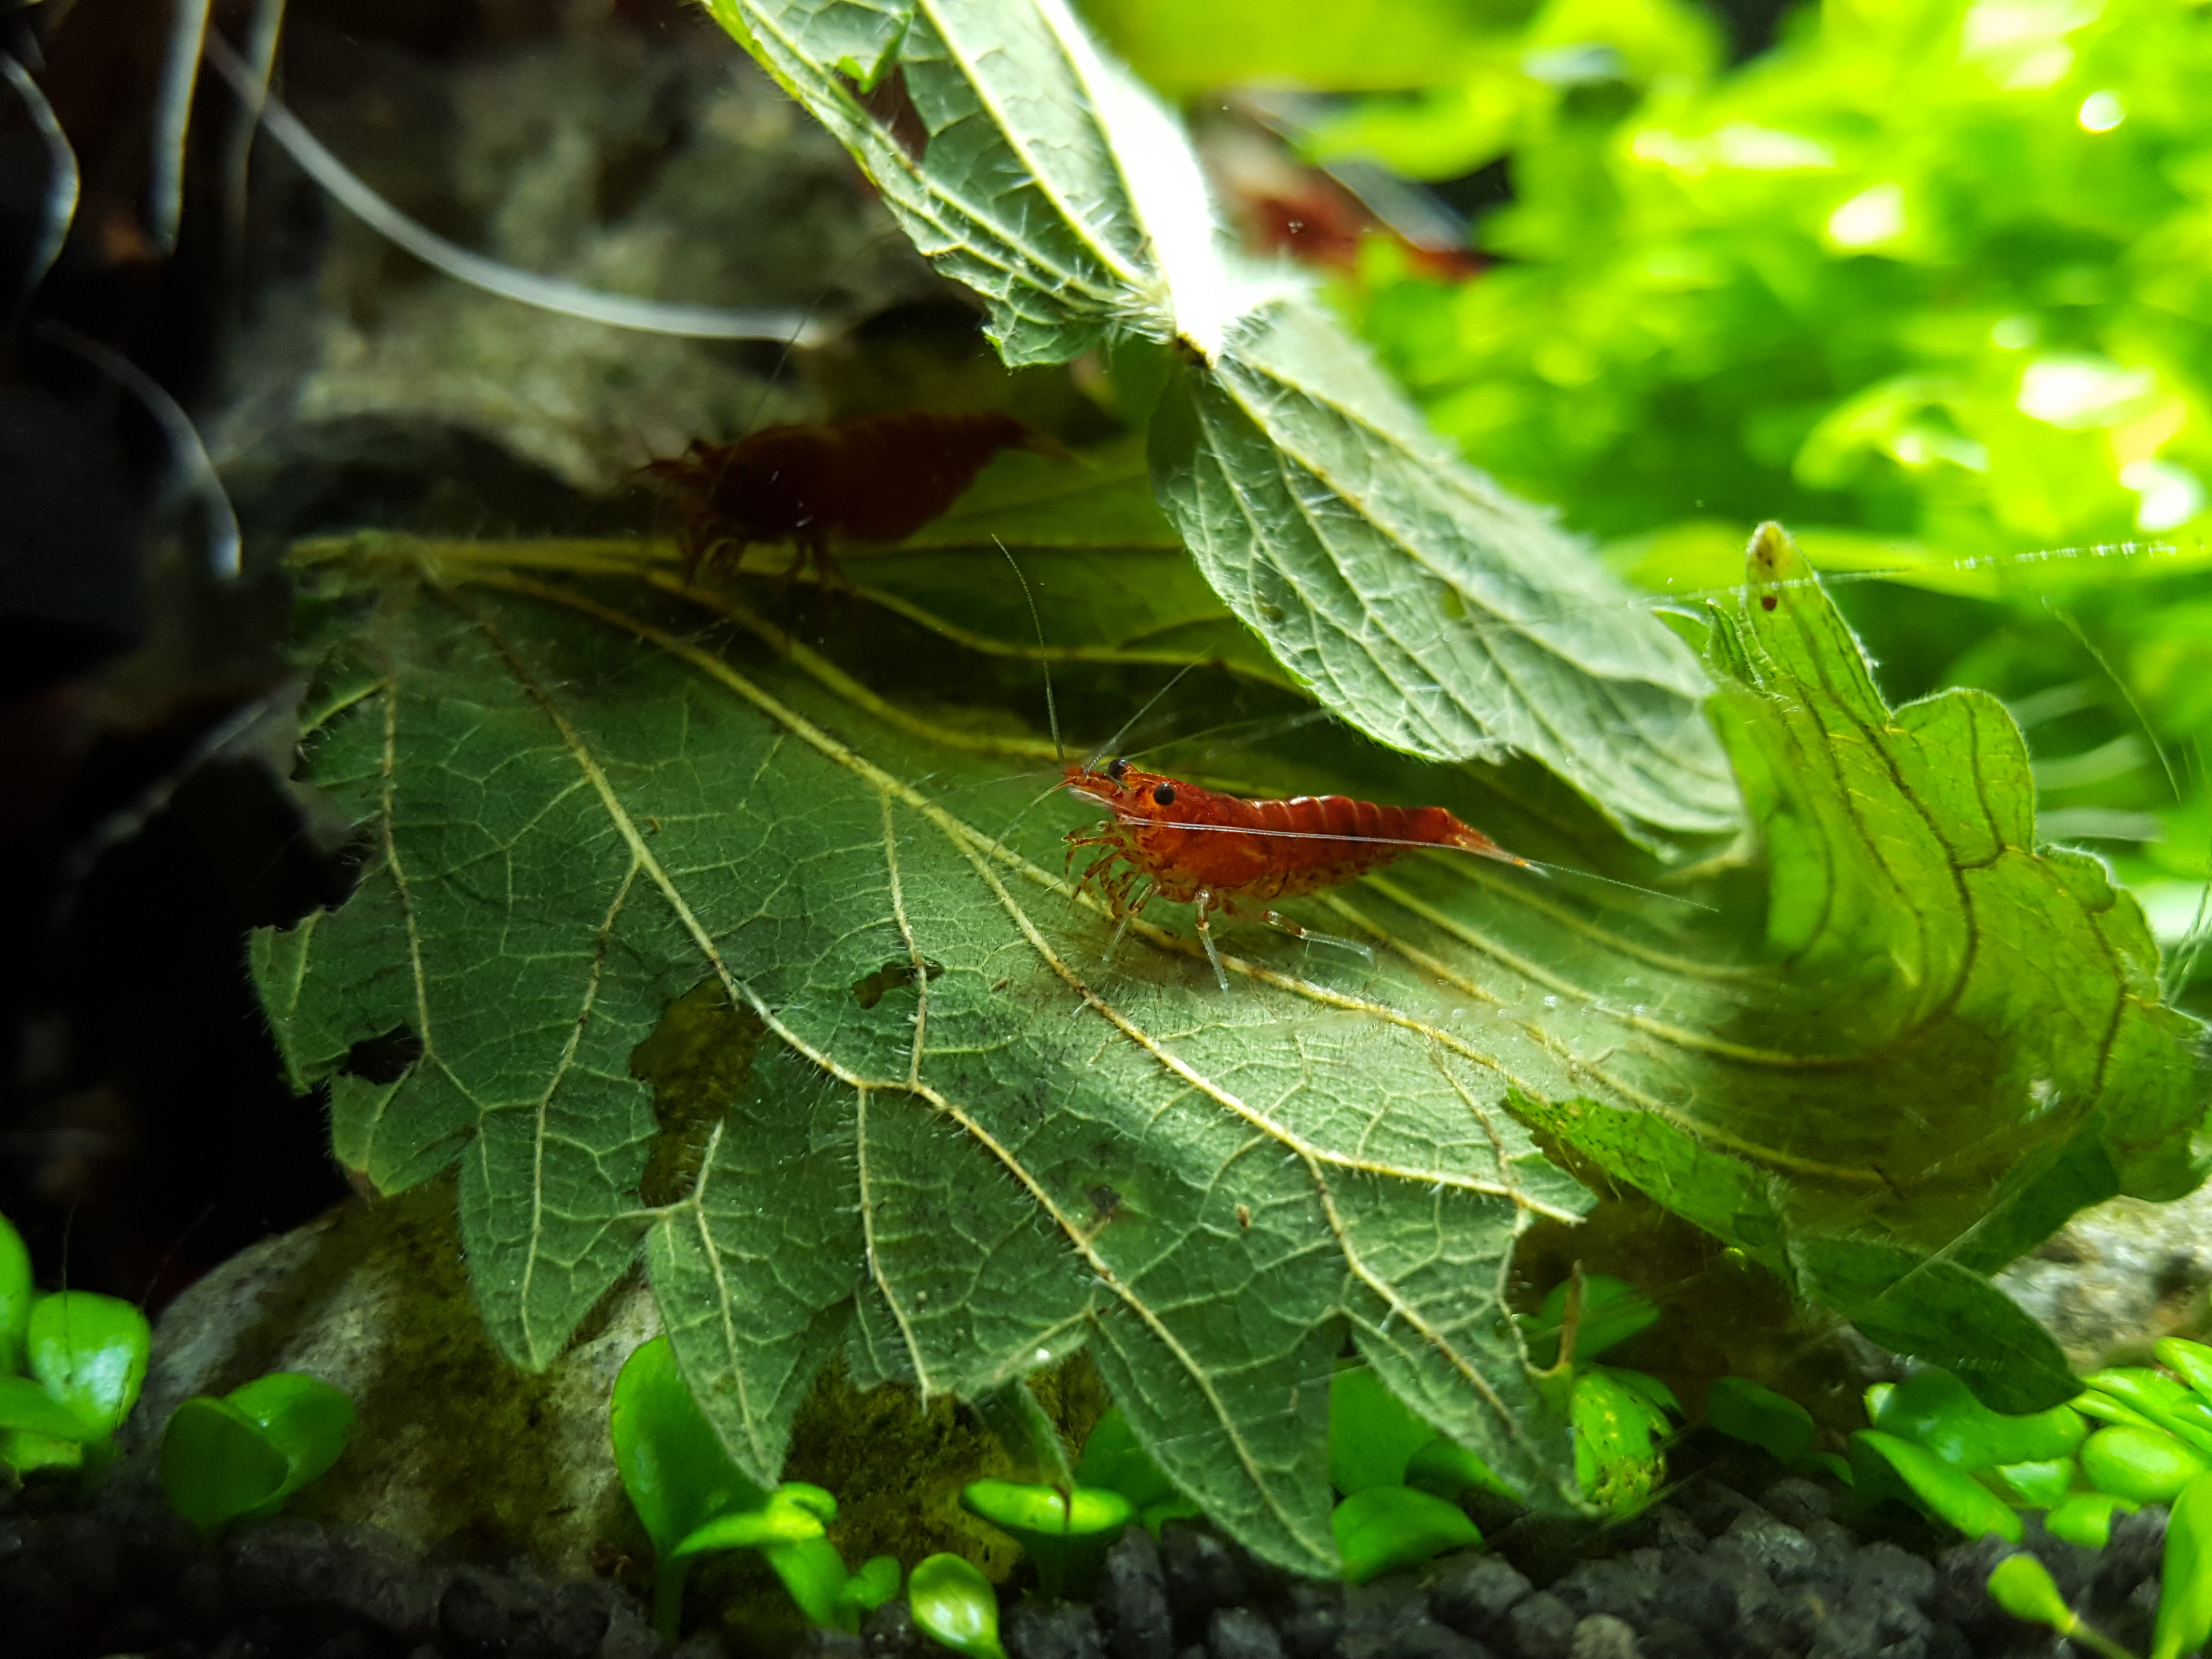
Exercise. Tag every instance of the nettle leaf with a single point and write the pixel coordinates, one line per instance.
(680, 931)
(1959, 1040)
(617, 867)
(1424, 606)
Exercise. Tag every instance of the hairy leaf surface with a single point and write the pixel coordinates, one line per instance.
(760, 955)
(1422, 603)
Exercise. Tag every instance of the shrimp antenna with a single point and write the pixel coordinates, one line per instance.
(1051, 708)
(1151, 702)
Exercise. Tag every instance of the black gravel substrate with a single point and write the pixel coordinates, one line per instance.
(1710, 1574)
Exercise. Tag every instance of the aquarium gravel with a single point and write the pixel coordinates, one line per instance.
(1709, 1574)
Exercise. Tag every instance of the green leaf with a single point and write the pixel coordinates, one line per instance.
(2147, 1465)
(1947, 1494)
(1617, 1428)
(814, 1573)
(955, 1607)
(27, 1406)
(1337, 45)
(874, 1584)
(2038, 1485)
(1382, 1528)
(1613, 1310)
(1933, 953)
(2184, 1602)
(1425, 606)
(89, 1351)
(16, 1292)
(1035, 1148)
(673, 1468)
(1935, 1409)
(1743, 1410)
(304, 1418)
(1112, 1458)
(2193, 1360)
(1371, 1434)
(1448, 1469)
(218, 1464)
(2158, 1399)
(2085, 1518)
(1066, 1534)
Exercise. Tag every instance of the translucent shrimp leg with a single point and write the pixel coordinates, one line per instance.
(1205, 937)
(1277, 919)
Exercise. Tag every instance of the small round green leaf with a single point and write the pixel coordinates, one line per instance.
(24, 1405)
(1948, 1493)
(90, 1352)
(1616, 1427)
(2085, 1518)
(1386, 1527)
(781, 1520)
(954, 1605)
(1113, 1458)
(2193, 1360)
(2184, 1602)
(2180, 1412)
(671, 1461)
(2021, 1586)
(814, 1573)
(1447, 1468)
(217, 1464)
(15, 1296)
(1372, 1434)
(1029, 1512)
(1742, 1410)
(2148, 1465)
(1934, 1409)
(873, 1585)
(2034, 1485)
(304, 1418)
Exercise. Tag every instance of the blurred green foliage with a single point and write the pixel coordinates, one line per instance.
(1929, 281)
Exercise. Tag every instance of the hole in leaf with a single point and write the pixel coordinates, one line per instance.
(871, 989)
(698, 1060)
(385, 1059)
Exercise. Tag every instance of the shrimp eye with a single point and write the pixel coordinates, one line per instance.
(1164, 795)
(1117, 768)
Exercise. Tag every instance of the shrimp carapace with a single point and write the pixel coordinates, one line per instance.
(874, 478)
(1189, 845)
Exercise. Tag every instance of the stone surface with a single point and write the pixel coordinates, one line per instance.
(2118, 1276)
(1133, 1600)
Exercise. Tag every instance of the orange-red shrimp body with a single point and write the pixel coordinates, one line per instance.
(1195, 846)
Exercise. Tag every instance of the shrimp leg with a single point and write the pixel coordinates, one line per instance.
(1205, 937)
(1282, 923)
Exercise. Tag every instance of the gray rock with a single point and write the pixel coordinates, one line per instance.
(819, 1644)
(889, 1633)
(1240, 1633)
(1668, 1637)
(1625, 1588)
(1133, 1600)
(1797, 1501)
(374, 1577)
(1311, 1621)
(278, 1564)
(1782, 1552)
(1203, 1570)
(1541, 1626)
(1378, 1616)
(2117, 1276)
(1661, 1527)
(1474, 1593)
(1602, 1636)
(451, 1437)
(1883, 1568)
(1051, 1630)
(628, 1636)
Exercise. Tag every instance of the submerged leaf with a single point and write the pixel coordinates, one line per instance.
(1423, 604)
(585, 808)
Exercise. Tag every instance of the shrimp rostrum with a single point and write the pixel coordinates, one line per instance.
(1168, 840)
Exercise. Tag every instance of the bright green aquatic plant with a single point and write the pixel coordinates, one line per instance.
(85, 1356)
(954, 1605)
(239, 1457)
(694, 1501)
(2021, 1585)
(1066, 1534)
(1777, 1424)
(1380, 1529)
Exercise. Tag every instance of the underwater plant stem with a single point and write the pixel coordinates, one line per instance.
(668, 1578)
